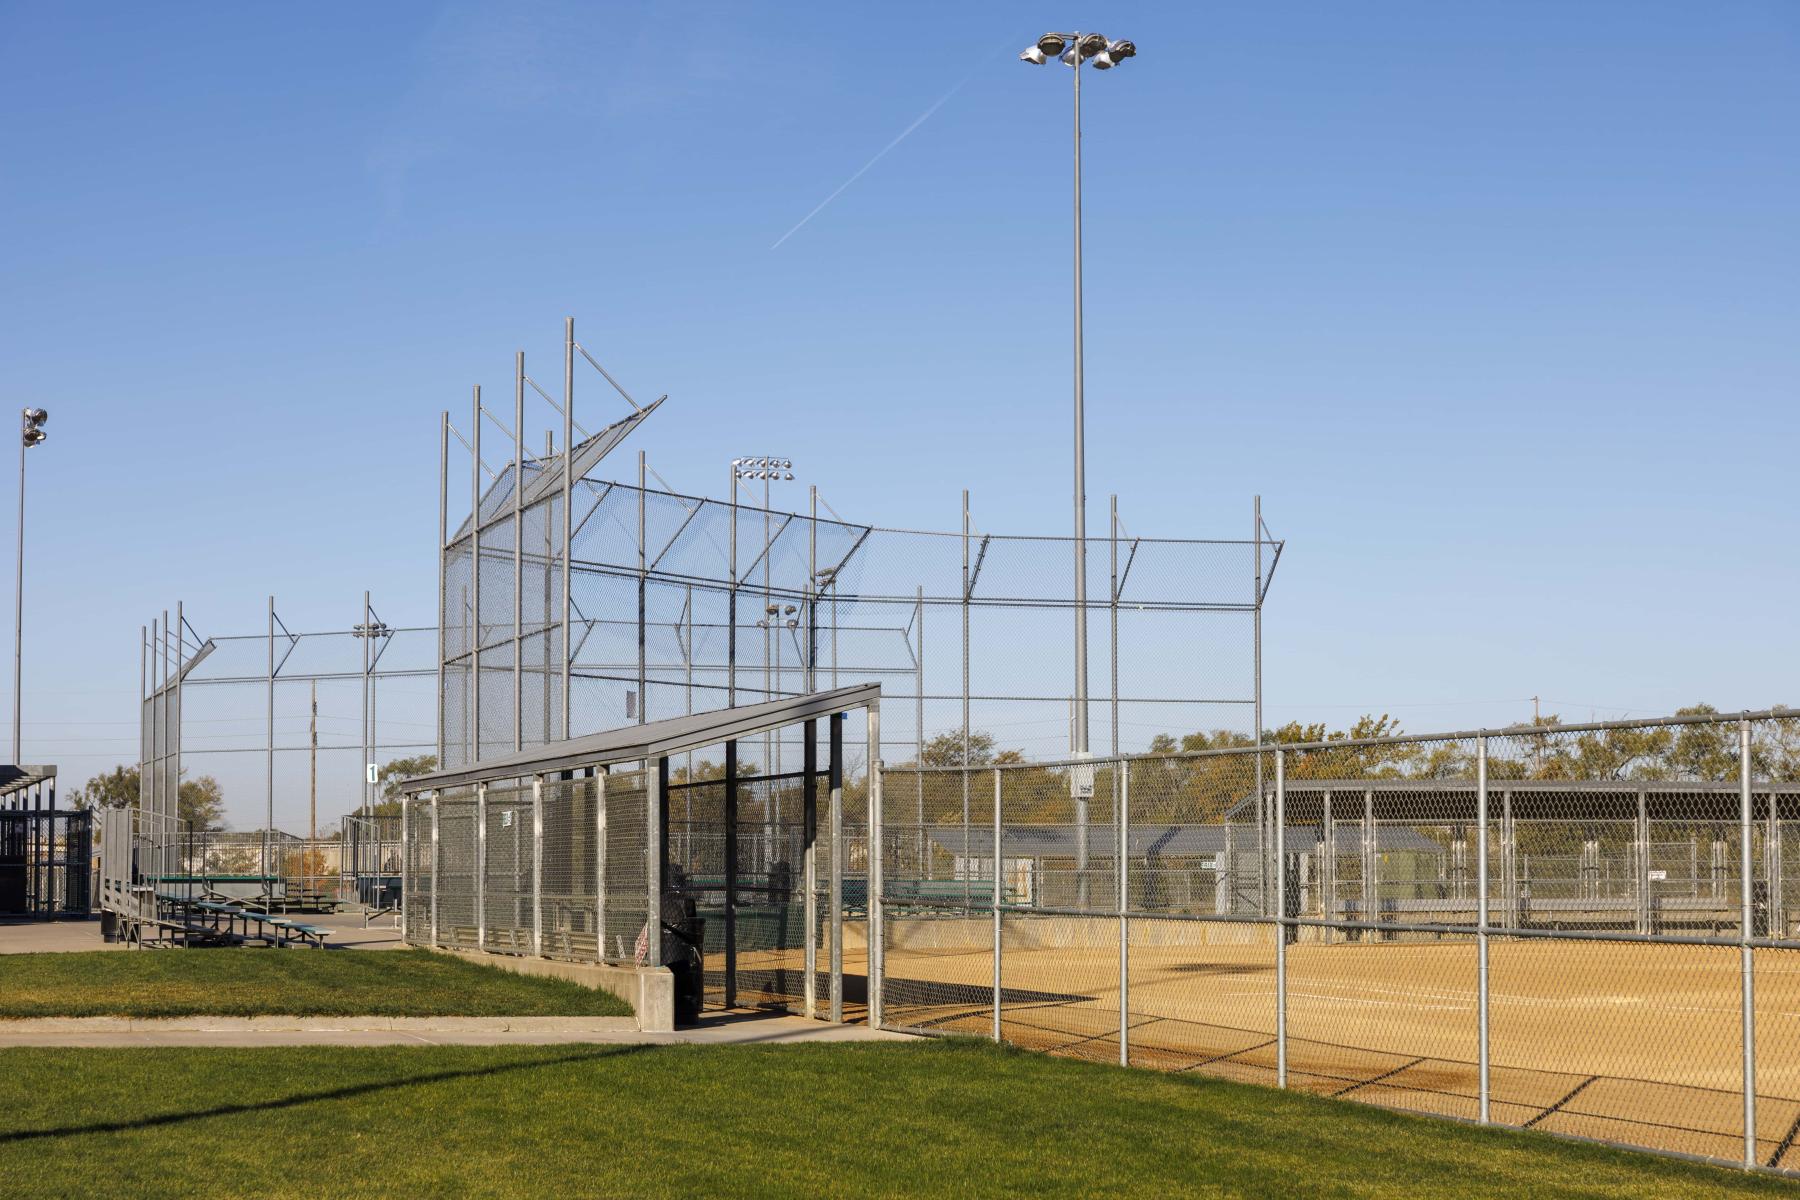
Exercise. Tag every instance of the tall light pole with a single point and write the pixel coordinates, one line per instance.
(769, 469)
(1074, 49)
(31, 433)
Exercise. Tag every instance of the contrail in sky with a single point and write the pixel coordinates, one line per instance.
(863, 170)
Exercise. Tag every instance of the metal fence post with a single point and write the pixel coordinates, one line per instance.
(875, 955)
(436, 858)
(1481, 927)
(481, 866)
(809, 821)
(1281, 923)
(656, 783)
(600, 880)
(1745, 930)
(835, 801)
(537, 865)
(406, 874)
(1122, 768)
(999, 873)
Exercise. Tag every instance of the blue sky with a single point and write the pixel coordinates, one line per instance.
(1496, 307)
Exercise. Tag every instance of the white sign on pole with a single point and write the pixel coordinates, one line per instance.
(374, 773)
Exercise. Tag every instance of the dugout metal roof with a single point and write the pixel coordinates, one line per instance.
(653, 739)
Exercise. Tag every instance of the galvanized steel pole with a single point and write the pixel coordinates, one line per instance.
(1081, 663)
(481, 866)
(731, 601)
(1482, 998)
(1282, 923)
(568, 530)
(175, 713)
(600, 880)
(1256, 639)
(1746, 930)
(537, 865)
(19, 608)
(967, 872)
(837, 868)
(269, 780)
(443, 604)
(875, 871)
(809, 824)
(475, 466)
(518, 606)
(1122, 770)
(999, 872)
(643, 597)
(436, 868)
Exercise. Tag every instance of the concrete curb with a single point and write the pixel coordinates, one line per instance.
(300, 1024)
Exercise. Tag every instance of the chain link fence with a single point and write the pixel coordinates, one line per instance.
(1587, 930)
(676, 604)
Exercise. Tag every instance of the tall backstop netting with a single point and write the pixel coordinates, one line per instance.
(674, 604)
(1589, 930)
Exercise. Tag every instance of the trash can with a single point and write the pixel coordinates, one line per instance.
(686, 961)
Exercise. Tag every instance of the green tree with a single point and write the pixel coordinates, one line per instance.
(201, 803)
(117, 788)
(951, 750)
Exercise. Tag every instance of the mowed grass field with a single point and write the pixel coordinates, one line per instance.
(949, 1118)
(250, 983)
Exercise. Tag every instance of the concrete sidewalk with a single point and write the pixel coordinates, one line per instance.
(715, 1029)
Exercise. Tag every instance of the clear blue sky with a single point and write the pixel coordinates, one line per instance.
(1498, 307)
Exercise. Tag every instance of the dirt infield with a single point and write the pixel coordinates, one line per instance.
(1629, 1042)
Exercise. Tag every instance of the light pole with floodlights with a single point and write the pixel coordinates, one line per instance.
(31, 433)
(1073, 49)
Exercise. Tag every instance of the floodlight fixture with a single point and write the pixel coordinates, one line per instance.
(1074, 49)
(31, 426)
(1032, 55)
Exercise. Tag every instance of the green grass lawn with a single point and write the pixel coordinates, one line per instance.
(935, 1118)
(249, 983)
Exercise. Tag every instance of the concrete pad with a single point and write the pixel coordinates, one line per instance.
(61, 937)
(716, 1029)
(53, 937)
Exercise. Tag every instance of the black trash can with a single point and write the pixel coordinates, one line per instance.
(686, 960)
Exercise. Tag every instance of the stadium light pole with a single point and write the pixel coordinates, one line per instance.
(31, 433)
(769, 469)
(1074, 49)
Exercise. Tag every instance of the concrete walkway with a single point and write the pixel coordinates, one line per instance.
(715, 1029)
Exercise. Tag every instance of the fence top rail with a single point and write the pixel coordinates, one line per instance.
(1271, 748)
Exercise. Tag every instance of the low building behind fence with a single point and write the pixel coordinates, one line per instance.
(1589, 930)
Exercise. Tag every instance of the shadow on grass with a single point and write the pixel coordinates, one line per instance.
(342, 1093)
